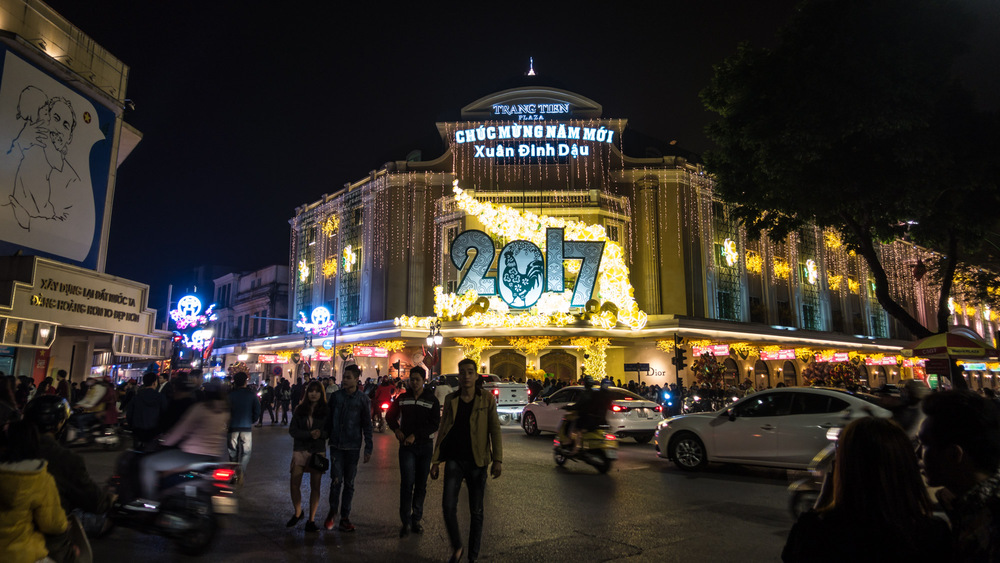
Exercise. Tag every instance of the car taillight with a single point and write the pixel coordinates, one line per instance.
(222, 474)
(610, 437)
(658, 408)
(619, 408)
(496, 392)
(385, 406)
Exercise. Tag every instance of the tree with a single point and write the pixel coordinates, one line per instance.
(855, 122)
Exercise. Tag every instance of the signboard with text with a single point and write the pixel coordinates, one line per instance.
(778, 355)
(271, 359)
(370, 352)
(713, 350)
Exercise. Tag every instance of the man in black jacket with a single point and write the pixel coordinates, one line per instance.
(145, 412)
(414, 417)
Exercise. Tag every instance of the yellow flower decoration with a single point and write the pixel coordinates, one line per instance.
(472, 348)
(595, 365)
(330, 268)
(755, 264)
(530, 345)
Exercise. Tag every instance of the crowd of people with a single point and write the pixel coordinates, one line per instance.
(878, 494)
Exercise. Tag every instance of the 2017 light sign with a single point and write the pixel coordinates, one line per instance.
(522, 275)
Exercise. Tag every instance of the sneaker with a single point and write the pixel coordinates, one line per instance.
(311, 526)
(328, 523)
(404, 531)
(294, 520)
(346, 526)
(417, 528)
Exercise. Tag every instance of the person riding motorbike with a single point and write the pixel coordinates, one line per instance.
(78, 493)
(200, 435)
(591, 410)
(383, 395)
(90, 409)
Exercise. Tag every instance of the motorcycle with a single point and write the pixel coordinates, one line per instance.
(598, 448)
(380, 423)
(193, 501)
(804, 492)
(108, 437)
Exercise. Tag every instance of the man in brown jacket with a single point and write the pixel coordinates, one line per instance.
(468, 440)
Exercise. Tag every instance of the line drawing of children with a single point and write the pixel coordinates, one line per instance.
(43, 173)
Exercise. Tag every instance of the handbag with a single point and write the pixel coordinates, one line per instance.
(318, 462)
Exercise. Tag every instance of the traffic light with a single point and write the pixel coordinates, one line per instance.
(681, 355)
(395, 366)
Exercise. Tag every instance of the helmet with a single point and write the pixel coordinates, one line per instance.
(48, 413)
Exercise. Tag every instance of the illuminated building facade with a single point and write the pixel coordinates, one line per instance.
(493, 238)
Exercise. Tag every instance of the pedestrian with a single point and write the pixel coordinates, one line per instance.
(879, 502)
(469, 438)
(62, 387)
(960, 451)
(145, 412)
(414, 417)
(308, 428)
(284, 398)
(349, 422)
(244, 409)
(298, 390)
(266, 403)
(29, 499)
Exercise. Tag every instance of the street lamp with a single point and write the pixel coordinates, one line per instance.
(435, 339)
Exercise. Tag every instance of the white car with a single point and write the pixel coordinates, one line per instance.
(630, 415)
(776, 428)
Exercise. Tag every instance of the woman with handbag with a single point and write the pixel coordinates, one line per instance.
(308, 428)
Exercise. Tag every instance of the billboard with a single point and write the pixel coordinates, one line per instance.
(55, 155)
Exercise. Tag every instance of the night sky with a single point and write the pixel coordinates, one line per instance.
(249, 112)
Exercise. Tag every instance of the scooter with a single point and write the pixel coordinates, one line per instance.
(96, 434)
(598, 448)
(193, 501)
(380, 423)
(803, 493)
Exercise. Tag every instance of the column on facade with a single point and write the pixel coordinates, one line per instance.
(417, 261)
(646, 273)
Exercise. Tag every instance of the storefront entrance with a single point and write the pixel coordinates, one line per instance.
(508, 364)
(560, 364)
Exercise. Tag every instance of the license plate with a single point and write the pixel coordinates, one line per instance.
(641, 413)
(611, 454)
(224, 505)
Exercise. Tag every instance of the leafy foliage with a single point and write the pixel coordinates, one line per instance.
(855, 122)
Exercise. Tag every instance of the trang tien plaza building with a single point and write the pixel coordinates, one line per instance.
(537, 244)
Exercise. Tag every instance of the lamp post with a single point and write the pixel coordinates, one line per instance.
(308, 350)
(435, 339)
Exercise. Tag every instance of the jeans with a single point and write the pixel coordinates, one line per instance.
(266, 407)
(414, 466)
(475, 477)
(240, 440)
(343, 469)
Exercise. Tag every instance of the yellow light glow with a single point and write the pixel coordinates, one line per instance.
(755, 264)
(834, 281)
(595, 365)
(530, 345)
(853, 286)
(781, 269)
(330, 268)
(472, 348)
(832, 240)
(350, 258)
(330, 225)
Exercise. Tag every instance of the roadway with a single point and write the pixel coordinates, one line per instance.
(644, 509)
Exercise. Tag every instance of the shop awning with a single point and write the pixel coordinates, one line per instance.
(959, 342)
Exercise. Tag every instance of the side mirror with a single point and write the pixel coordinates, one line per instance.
(732, 415)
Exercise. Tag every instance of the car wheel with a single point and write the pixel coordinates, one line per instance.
(505, 419)
(644, 438)
(529, 424)
(688, 452)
